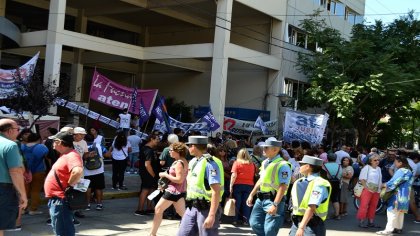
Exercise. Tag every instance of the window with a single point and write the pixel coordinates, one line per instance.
(331, 6)
(350, 15)
(297, 37)
(340, 9)
(295, 88)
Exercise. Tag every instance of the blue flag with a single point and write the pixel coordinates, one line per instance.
(211, 121)
(143, 115)
(158, 112)
(259, 123)
(161, 114)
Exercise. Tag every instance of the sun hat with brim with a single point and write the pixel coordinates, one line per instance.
(63, 136)
(198, 140)
(311, 160)
(271, 142)
(79, 130)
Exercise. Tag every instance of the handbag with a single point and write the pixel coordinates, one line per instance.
(358, 189)
(75, 198)
(229, 209)
(386, 195)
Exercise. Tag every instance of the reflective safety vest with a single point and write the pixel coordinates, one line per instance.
(299, 208)
(195, 179)
(270, 181)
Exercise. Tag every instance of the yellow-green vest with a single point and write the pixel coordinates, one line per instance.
(195, 178)
(300, 208)
(270, 182)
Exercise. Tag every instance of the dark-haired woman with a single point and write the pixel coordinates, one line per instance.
(149, 172)
(119, 149)
(398, 204)
(346, 165)
(371, 179)
(175, 192)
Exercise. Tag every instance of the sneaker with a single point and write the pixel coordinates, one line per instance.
(17, 228)
(122, 188)
(245, 223)
(140, 213)
(76, 222)
(114, 188)
(79, 214)
(99, 207)
(48, 222)
(417, 221)
(383, 232)
(33, 213)
(88, 208)
(397, 231)
(372, 225)
(127, 172)
(363, 225)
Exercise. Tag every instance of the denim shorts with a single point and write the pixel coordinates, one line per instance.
(9, 205)
(61, 217)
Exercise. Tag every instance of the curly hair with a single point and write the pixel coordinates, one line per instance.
(179, 148)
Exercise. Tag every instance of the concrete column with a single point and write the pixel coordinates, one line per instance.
(220, 60)
(54, 49)
(275, 79)
(144, 39)
(77, 66)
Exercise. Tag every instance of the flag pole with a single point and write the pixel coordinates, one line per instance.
(191, 126)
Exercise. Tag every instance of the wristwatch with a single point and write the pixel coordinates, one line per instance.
(276, 204)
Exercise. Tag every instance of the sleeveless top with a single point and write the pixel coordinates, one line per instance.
(175, 188)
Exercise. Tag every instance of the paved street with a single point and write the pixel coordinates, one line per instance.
(117, 218)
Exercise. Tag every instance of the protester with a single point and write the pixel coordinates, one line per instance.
(133, 156)
(69, 170)
(34, 153)
(257, 156)
(175, 193)
(96, 176)
(371, 179)
(52, 155)
(204, 191)
(241, 184)
(267, 215)
(165, 157)
(12, 186)
(222, 153)
(399, 202)
(124, 119)
(334, 174)
(341, 153)
(119, 149)
(310, 197)
(346, 165)
(97, 138)
(386, 163)
(148, 169)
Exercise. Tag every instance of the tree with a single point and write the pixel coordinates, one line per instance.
(373, 74)
(34, 96)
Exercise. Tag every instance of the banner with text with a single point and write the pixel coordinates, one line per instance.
(304, 127)
(241, 127)
(115, 95)
(9, 78)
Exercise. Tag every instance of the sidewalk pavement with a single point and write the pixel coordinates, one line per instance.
(118, 218)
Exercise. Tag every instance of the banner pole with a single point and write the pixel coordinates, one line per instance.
(191, 126)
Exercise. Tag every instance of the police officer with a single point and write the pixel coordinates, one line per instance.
(310, 198)
(267, 215)
(204, 191)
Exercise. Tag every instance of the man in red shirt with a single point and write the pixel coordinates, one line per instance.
(69, 169)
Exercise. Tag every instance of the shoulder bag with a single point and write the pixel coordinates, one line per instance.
(76, 199)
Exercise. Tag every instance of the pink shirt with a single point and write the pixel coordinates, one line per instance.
(177, 188)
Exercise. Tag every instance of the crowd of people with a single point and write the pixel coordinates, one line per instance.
(195, 176)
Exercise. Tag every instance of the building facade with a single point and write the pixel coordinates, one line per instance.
(220, 53)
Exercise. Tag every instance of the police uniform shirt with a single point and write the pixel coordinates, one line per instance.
(212, 173)
(284, 173)
(319, 193)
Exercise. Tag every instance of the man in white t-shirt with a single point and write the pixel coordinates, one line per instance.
(341, 153)
(124, 119)
(133, 156)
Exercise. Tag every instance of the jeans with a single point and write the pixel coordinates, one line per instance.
(264, 224)
(61, 217)
(132, 157)
(240, 194)
(319, 230)
(118, 169)
(9, 206)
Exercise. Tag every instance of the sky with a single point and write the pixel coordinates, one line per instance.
(385, 9)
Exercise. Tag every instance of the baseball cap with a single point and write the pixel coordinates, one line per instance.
(63, 136)
(79, 130)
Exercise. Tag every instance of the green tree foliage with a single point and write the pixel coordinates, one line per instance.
(179, 110)
(373, 74)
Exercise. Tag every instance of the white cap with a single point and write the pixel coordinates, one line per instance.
(79, 130)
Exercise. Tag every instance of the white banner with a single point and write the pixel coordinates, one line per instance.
(304, 127)
(9, 78)
(241, 127)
